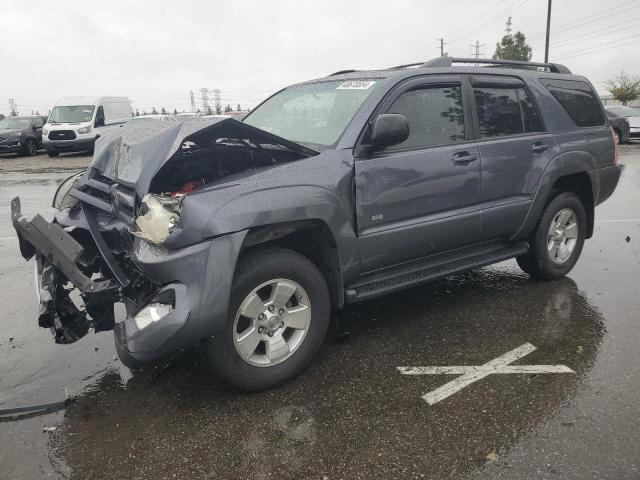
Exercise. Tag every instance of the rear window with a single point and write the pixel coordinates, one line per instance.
(579, 101)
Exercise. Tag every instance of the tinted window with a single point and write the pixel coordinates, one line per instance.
(530, 115)
(579, 101)
(435, 116)
(498, 111)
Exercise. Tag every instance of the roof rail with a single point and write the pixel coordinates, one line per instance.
(449, 61)
(340, 72)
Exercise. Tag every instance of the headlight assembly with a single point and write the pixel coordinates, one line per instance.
(61, 200)
(45, 132)
(86, 129)
(159, 216)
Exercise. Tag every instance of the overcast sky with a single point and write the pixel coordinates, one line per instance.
(154, 52)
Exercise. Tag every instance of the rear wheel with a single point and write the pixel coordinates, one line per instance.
(557, 242)
(278, 318)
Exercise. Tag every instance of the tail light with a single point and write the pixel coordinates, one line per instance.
(615, 146)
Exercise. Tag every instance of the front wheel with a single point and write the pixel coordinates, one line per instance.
(278, 317)
(557, 242)
(30, 148)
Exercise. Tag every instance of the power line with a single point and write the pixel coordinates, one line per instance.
(488, 11)
(584, 20)
(598, 48)
(599, 33)
(510, 9)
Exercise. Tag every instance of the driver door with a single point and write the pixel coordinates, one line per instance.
(420, 197)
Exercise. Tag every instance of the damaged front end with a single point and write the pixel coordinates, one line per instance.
(118, 235)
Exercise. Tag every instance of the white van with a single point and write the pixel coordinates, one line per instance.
(75, 122)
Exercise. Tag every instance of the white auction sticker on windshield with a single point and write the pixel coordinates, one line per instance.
(356, 85)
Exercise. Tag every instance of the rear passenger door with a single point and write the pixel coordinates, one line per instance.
(514, 149)
(420, 197)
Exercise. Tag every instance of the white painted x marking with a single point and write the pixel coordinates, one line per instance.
(471, 374)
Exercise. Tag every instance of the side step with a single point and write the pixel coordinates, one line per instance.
(435, 267)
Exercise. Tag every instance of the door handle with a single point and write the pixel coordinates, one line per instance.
(463, 158)
(539, 147)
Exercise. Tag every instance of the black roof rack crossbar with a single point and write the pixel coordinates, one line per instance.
(448, 61)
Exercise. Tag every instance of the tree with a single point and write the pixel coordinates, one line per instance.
(154, 111)
(228, 109)
(238, 109)
(175, 111)
(513, 46)
(137, 113)
(624, 88)
(163, 111)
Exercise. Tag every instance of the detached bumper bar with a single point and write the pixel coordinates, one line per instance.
(55, 245)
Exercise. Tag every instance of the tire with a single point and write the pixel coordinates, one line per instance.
(30, 148)
(301, 285)
(552, 254)
(53, 154)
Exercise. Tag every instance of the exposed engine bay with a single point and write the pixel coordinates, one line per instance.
(117, 215)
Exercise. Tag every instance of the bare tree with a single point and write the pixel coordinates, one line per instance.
(624, 88)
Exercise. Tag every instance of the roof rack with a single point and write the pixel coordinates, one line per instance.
(340, 72)
(449, 61)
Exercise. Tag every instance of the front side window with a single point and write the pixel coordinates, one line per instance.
(72, 114)
(313, 114)
(435, 116)
(579, 101)
(498, 111)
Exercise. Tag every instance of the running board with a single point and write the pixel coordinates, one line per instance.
(435, 267)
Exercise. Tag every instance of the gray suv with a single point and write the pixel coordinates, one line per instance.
(243, 237)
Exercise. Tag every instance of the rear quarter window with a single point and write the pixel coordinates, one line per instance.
(578, 100)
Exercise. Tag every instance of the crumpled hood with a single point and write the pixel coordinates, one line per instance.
(132, 154)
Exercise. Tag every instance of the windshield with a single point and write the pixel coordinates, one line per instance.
(623, 111)
(71, 114)
(315, 114)
(11, 123)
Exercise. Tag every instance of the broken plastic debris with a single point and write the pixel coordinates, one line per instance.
(493, 457)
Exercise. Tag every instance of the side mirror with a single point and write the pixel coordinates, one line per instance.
(389, 129)
(34, 127)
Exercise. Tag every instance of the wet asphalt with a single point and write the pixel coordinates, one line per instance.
(352, 414)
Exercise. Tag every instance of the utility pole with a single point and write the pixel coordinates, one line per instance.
(546, 43)
(217, 101)
(442, 43)
(13, 108)
(206, 109)
(477, 46)
(193, 102)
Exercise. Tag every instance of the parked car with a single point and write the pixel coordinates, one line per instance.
(22, 135)
(75, 123)
(620, 125)
(630, 114)
(332, 191)
(160, 118)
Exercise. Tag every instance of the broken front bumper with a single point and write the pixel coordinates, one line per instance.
(195, 281)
